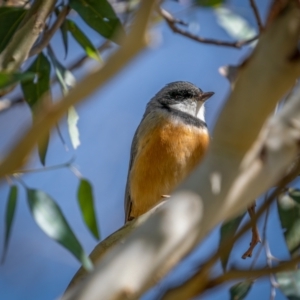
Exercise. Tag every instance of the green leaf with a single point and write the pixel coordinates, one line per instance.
(72, 126)
(289, 215)
(39, 85)
(64, 33)
(83, 41)
(67, 81)
(289, 283)
(227, 230)
(294, 194)
(9, 217)
(99, 15)
(86, 203)
(51, 220)
(33, 91)
(7, 79)
(235, 25)
(240, 290)
(65, 77)
(209, 3)
(10, 18)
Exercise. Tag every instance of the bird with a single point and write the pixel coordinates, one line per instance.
(170, 141)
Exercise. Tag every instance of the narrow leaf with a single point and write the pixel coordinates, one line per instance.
(294, 194)
(65, 77)
(86, 203)
(7, 79)
(72, 126)
(289, 284)
(240, 290)
(289, 215)
(64, 33)
(51, 220)
(227, 230)
(9, 217)
(99, 15)
(209, 3)
(67, 81)
(10, 18)
(235, 25)
(83, 41)
(33, 91)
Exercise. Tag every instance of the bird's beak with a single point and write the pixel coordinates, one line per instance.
(204, 96)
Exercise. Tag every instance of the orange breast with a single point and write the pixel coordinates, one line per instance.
(165, 156)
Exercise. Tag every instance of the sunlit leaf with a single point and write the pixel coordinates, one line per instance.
(209, 3)
(99, 15)
(86, 203)
(289, 215)
(289, 284)
(10, 18)
(7, 79)
(33, 91)
(9, 216)
(240, 290)
(51, 220)
(235, 25)
(228, 230)
(67, 80)
(65, 77)
(83, 41)
(72, 126)
(64, 33)
(295, 194)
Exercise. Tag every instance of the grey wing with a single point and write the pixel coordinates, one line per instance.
(133, 152)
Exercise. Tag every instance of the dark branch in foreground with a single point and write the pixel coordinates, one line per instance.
(200, 281)
(172, 22)
(257, 16)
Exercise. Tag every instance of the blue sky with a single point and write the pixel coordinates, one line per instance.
(37, 267)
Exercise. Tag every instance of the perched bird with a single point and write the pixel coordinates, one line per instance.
(169, 142)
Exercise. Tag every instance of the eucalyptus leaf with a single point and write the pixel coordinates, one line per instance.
(83, 40)
(67, 80)
(9, 217)
(99, 15)
(64, 33)
(294, 194)
(240, 290)
(289, 215)
(7, 79)
(235, 25)
(65, 77)
(72, 126)
(209, 3)
(228, 229)
(34, 90)
(289, 284)
(86, 204)
(51, 220)
(10, 18)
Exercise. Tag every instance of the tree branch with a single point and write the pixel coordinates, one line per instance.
(49, 114)
(49, 33)
(17, 50)
(171, 21)
(157, 242)
(257, 16)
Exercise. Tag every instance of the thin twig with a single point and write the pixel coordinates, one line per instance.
(77, 64)
(255, 233)
(172, 21)
(50, 168)
(257, 16)
(202, 276)
(273, 282)
(49, 33)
